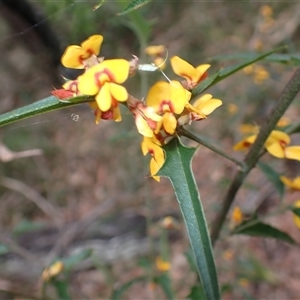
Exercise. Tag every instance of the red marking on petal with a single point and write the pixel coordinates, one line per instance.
(283, 144)
(204, 76)
(152, 124)
(107, 72)
(246, 144)
(167, 103)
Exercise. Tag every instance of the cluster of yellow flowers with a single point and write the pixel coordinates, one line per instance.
(166, 106)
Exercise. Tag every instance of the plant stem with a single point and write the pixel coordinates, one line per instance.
(286, 98)
(48, 104)
(183, 132)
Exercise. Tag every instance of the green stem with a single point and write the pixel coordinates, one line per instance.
(183, 132)
(286, 98)
(45, 105)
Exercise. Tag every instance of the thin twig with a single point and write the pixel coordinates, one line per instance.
(68, 234)
(34, 196)
(15, 248)
(289, 93)
(182, 131)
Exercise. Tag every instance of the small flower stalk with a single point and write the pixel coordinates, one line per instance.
(166, 107)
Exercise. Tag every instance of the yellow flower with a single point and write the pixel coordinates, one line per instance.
(284, 121)
(296, 218)
(199, 110)
(192, 75)
(147, 121)
(52, 271)
(237, 216)
(153, 147)
(248, 128)
(112, 114)
(260, 75)
(103, 80)
(266, 11)
(162, 265)
(78, 57)
(169, 223)
(168, 100)
(276, 145)
(291, 183)
(228, 255)
(157, 52)
(232, 108)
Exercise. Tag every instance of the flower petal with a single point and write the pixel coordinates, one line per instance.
(143, 127)
(72, 57)
(292, 152)
(202, 74)
(158, 92)
(184, 69)
(104, 98)
(206, 104)
(275, 149)
(117, 114)
(92, 45)
(179, 96)
(245, 143)
(293, 184)
(155, 50)
(169, 122)
(87, 83)
(118, 68)
(118, 92)
(278, 136)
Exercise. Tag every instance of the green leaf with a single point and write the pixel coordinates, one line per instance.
(279, 58)
(295, 210)
(177, 168)
(191, 260)
(118, 293)
(42, 106)
(133, 6)
(254, 227)
(4, 249)
(203, 85)
(196, 293)
(223, 73)
(73, 260)
(61, 287)
(164, 281)
(98, 5)
(273, 176)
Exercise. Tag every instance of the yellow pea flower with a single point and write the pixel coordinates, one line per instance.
(168, 99)
(157, 52)
(78, 57)
(153, 147)
(236, 216)
(102, 80)
(199, 110)
(276, 144)
(191, 74)
(52, 271)
(291, 183)
(162, 265)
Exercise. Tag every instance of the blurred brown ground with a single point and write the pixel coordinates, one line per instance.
(84, 165)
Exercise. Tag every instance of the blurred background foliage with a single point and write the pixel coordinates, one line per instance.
(84, 166)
